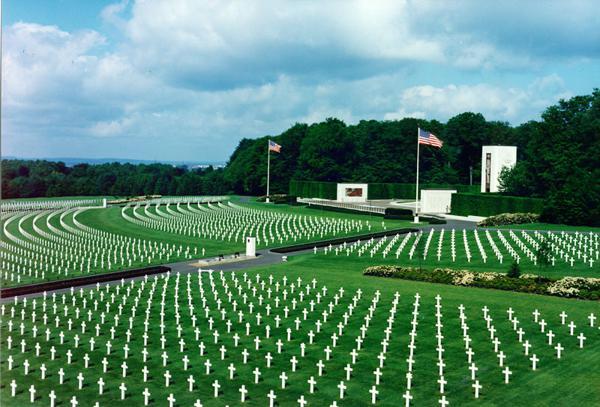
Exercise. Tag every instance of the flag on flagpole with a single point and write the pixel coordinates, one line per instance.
(273, 146)
(429, 139)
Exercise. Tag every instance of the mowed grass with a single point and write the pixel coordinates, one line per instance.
(377, 222)
(102, 220)
(111, 220)
(370, 224)
(59, 198)
(549, 226)
(570, 381)
(492, 263)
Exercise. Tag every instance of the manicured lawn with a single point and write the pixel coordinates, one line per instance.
(561, 267)
(58, 198)
(575, 371)
(110, 247)
(550, 226)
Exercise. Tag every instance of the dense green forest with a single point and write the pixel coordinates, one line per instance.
(558, 159)
(24, 178)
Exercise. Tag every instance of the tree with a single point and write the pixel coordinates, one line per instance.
(543, 254)
(514, 271)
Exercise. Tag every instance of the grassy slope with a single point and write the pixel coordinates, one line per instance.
(570, 381)
(576, 372)
(560, 270)
(549, 226)
(111, 220)
(58, 198)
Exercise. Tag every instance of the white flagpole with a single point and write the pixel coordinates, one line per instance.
(416, 220)
(268, 168)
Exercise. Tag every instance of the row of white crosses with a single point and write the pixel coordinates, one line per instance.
(584, 247)
(50, 249)
(185, 199)
(123, 388)
(42, 205)
(233, 222)
(93, 322)
(165, 355)
(469, 351)
(440, 351)
(384, 344)
(407, 396)
(501, 356)
(571, 247)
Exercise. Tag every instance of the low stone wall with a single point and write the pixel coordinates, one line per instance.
(80, 281)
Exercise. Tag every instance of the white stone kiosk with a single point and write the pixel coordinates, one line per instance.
(352, 192)
(251, 246)
(493, 160)
(436, 200)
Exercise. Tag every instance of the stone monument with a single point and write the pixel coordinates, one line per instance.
(493, 160)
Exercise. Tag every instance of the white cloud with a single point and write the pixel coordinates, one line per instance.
(39, 60)
(510, 104)
(193, 77)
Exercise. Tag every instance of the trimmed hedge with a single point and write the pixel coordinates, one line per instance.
(313, 189)
(573, 287)
(377, 190)
(398, 213)
(465, 204)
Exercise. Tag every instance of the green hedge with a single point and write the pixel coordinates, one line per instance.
(572, 287)
(493, 204)
(313, 189)
(377, 190)
(398, 213)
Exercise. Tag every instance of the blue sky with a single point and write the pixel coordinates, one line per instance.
(187, 79)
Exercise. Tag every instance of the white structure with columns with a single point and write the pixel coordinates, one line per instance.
(493, 160)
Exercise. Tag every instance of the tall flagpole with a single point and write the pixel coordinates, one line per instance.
(268, 168)
(416, 220)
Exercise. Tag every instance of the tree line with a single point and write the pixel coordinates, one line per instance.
(40, 178)
(557, 160)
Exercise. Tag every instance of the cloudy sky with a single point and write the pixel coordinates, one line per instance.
(187, 79)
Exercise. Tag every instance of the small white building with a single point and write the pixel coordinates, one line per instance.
(436, 200)
(251, 246)
(493, 160)
(352, 192)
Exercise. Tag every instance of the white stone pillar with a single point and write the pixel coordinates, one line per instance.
(251, 246)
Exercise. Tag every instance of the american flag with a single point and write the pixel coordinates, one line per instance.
(429, 139)
(273, 146)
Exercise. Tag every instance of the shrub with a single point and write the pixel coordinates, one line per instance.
(398, 213)
(279, 199)
(514, 271)
(575, 287)
(509, 219)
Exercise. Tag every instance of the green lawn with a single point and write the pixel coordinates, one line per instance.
(110, 220)
(550, 226)
(570, 381)
(492, 263)
(58, 198)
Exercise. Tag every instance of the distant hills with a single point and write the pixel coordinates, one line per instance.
(71, 161)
